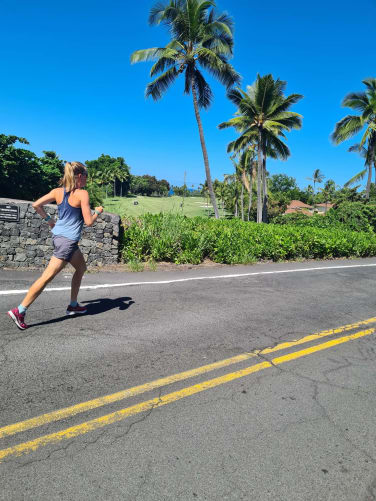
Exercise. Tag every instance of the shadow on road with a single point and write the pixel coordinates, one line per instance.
(94, 307)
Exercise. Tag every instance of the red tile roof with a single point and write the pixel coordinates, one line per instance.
(298, 203)
(299, 211)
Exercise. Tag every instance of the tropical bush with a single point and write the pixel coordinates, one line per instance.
(357, 216)
(315, 221)
(354, 216)
(178, 239)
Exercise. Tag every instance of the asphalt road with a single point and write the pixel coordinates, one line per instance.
(194, 405)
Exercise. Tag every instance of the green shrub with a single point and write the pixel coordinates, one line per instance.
(357, 216)
(178, 239)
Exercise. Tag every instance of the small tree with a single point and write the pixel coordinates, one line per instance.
(349, 126)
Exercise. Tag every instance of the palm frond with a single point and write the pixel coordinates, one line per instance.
(205, 95)
(370, 83)
(247, 138)
(288, 120)
(162, 13)
(366, 135)
(223, 71)
(146, 54)
(281, 149)
(239, 123)
(236, 95)
(346, 128)
(264, 92)
(157, 88)
(356, 100)
(169, 58)
(358, 149)
(283, 104)
(356, 178)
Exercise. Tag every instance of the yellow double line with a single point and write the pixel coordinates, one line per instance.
(97, 423)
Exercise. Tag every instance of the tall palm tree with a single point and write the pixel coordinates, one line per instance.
(366, 154)
(349, 126)
(317, 177)
(199, 37)
(261, 118)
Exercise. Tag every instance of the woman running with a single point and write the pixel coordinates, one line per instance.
(73, 210)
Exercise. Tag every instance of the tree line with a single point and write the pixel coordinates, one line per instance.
(202, 39)
(24, 175)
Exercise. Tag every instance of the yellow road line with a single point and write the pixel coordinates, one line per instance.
(158, 383)
(114, 417)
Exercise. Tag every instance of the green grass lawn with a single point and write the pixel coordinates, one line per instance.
(193, 206)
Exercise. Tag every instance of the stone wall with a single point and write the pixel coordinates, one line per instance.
(29, 242)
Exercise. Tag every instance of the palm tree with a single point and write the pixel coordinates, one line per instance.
(364, 153)
(220, 192)
(317, 177)
(237, 179)
(122, 174)
(248, 167)
(199, 37)
(231, 182)
(349, 126)
(328, 192)
(262, 117)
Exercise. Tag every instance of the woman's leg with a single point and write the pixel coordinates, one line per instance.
(78, 263)
(54, 267)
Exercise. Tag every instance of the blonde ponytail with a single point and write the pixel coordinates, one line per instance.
(71, 170)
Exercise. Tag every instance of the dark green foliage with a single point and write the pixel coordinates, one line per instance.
(354, 216)
(95, 194)
(282, 183)
(22, 174)
(112, 174)
(52, 169)
(148, 186)
(357, 216)
(315, 221)
(179, 239)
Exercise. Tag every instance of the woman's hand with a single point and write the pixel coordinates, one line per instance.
(51, 223)
(99, 209)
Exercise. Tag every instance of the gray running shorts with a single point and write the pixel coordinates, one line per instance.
(64, 248)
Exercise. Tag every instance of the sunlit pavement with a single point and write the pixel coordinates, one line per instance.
(200, 385)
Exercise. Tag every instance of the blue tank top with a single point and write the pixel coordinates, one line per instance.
(70, 220)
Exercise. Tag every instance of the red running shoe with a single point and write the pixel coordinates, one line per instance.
(73, 310)
(18, 319)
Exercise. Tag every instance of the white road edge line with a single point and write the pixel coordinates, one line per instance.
(215, 277)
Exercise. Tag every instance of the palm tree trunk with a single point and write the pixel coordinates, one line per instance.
(242, 202)
(259, 177)
(369, 179)
(372, 159)
(250, 189)
(264, 188)
(204, 152)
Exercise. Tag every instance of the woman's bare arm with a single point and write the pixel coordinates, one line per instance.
(89, 218)
(46, 199)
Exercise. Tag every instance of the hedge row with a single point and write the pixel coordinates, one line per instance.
(356, 216)
(178, 239)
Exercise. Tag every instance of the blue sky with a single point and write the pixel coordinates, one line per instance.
(67, 84)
